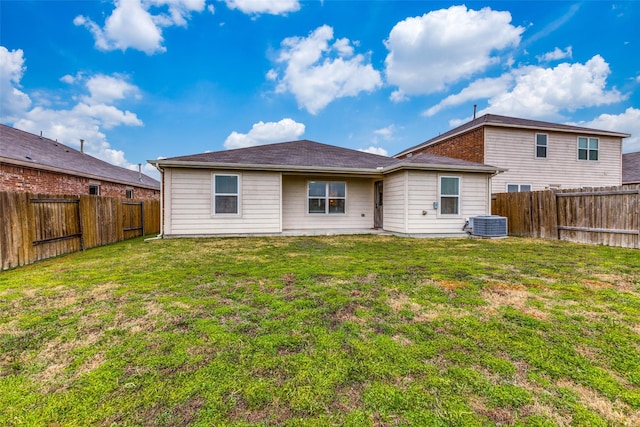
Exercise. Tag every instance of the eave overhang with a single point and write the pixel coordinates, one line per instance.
(576, 131)
(362, 172)
(39, 166)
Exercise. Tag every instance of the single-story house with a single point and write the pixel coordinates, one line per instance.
(537, 155)
(631, 168)
(34, 164)
(307, 187)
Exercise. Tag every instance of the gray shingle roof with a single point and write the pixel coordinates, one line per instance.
(27, 149)
(631, 168)
(310, 155)
(514, 122)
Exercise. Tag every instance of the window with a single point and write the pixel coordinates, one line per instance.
(449, 195)
(94, 189)
(515, 188)
(128, 193)
(587, 148)
(541, 145)
(226, 195)
(326, 197)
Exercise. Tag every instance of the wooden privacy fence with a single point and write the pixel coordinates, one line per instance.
(607, 215)
(36, 227)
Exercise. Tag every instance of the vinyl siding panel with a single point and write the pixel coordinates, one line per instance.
(359, 205)
(189, 207)
(514, 149)
(423, 191)
(394, 202)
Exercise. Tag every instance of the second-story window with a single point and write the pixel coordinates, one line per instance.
(541, 145)
(587, 148)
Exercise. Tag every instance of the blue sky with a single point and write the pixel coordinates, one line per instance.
(142, 79)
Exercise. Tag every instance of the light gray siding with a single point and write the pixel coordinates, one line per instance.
(423, 218)
(514, 149)
(188, 203)
(409, 198)
(359, 205)
(395, 202)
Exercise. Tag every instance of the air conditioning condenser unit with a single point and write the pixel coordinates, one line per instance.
(488, 226)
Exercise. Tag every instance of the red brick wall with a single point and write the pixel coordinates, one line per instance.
(467, 146)
(23, 179)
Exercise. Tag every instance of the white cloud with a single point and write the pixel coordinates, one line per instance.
(85, 120)
(386, 133)
(398, 96)
(132, 25)
(479, 89)
(270, 7)
(265, 133)
(317, 72)
(375, 150)
(105, 89)
(13, 100)
(627, 122)
(556, 54)
(538, 92)
(546, 92)
(429, 52)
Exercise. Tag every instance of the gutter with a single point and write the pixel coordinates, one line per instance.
(40, 166)
(267, 167)
(375, 173)
(585, 131)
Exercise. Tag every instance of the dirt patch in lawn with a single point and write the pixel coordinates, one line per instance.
(616, 411)
(511, 295)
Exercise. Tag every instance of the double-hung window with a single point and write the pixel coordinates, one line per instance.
(449, 195)
(326, 197)
(541, 145)
(226, 194)
(587, 148)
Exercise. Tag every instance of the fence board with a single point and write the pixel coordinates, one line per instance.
(608, 215)
(36, 227)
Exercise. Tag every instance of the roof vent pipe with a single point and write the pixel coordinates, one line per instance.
(140, 171)
(475, 109)
(82, 145)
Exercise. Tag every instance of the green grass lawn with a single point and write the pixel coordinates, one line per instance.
(348, 331)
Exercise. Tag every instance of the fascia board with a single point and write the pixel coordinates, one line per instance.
(55, 169)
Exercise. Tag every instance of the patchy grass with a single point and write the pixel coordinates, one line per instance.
(349, 331)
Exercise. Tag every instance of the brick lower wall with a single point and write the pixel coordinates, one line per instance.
(467, 146)
(24, 179)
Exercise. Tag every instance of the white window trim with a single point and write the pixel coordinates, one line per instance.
(326, 197)
(519, 187)
(214, 194)
(535, 146)
(440, 195)
(588, 149)
(97, 186)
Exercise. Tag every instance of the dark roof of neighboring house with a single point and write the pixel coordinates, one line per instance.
(631, 168)
(310, 156)
(26, 149)
(511, 122)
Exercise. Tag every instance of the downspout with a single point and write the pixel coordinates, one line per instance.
(161, 234)
(490, 186)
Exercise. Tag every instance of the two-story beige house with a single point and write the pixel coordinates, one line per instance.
(537, 155)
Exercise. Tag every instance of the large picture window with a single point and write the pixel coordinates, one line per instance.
(587, 148)
(226, 194)
(326, 197)
(449, 195)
